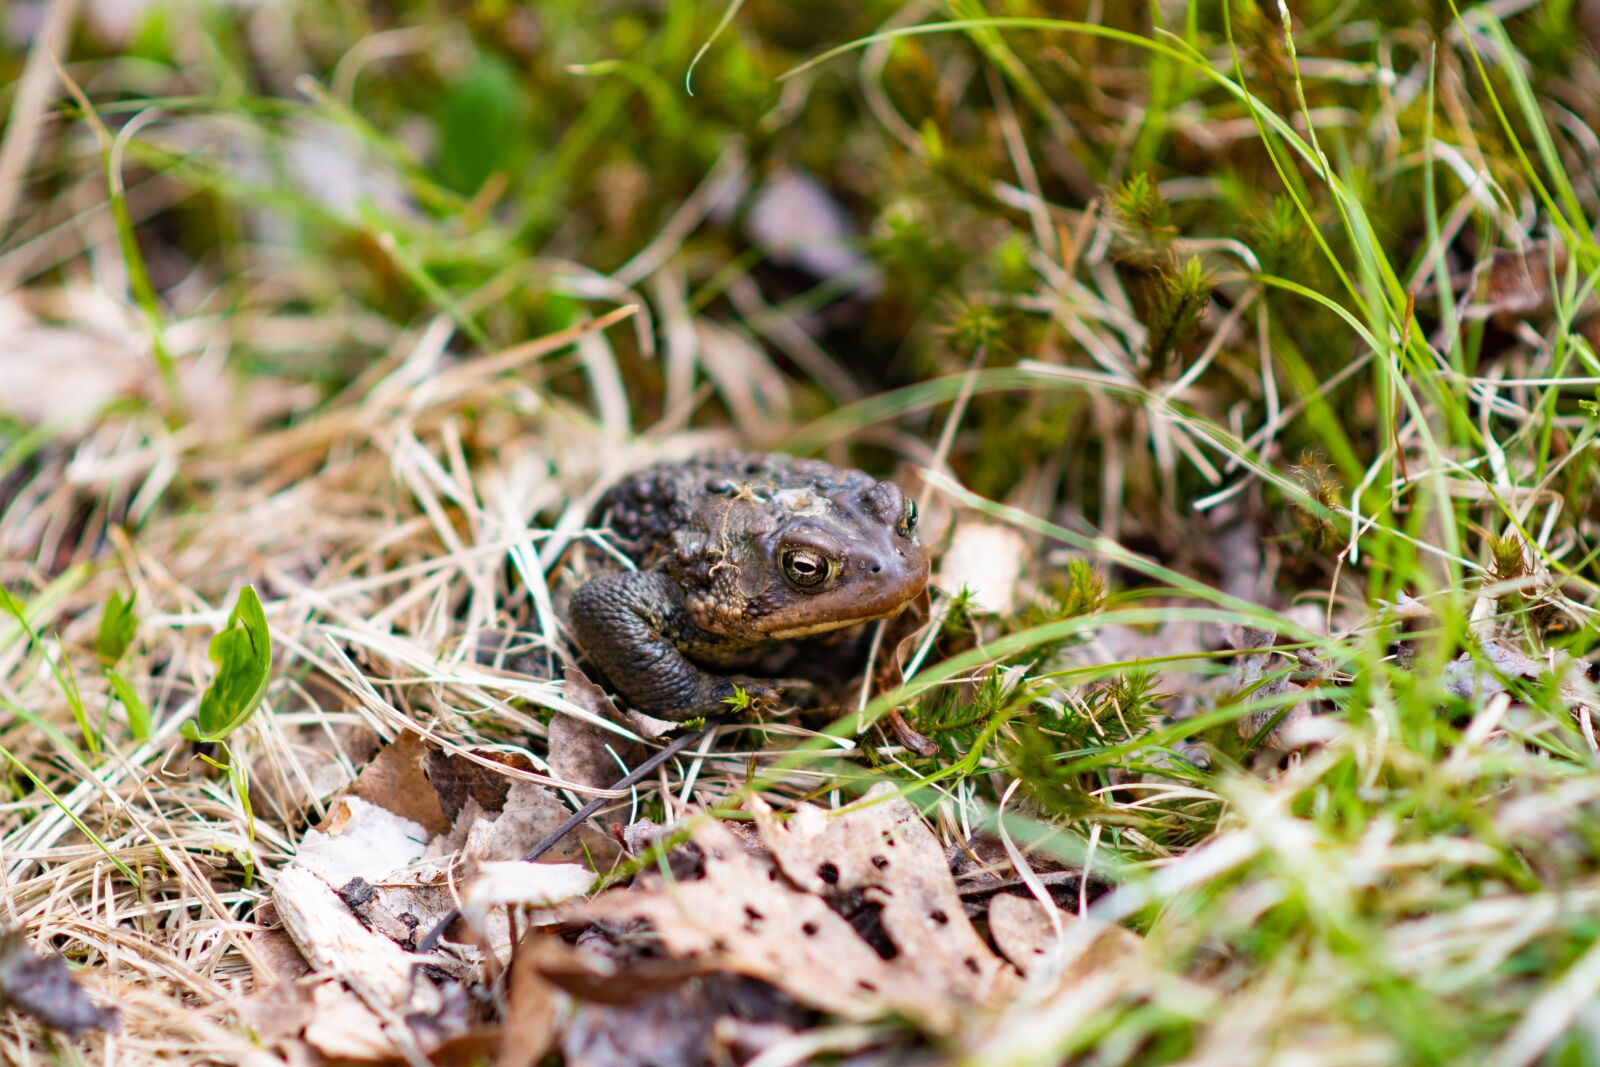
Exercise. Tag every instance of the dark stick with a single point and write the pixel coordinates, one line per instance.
(577, 818)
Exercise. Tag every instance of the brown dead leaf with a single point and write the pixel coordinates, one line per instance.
(1514, 283)
(742, 915)
(471, 1048)
(705, 1021)
(406, 906)
(1022, 929)
(277, 1013)
(586, 754)
(341, 1027)
(592, 975)
(42, 986)
(530, 813)
(464, 805)
(880, 849)
(456, 779)
(648, 726)
(395, 779)
(279, 961)
(854, 913)
(405, 901)
(532, 1004)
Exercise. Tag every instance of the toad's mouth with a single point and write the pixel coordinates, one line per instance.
(811, 629)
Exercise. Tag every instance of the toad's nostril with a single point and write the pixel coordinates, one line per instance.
(876, 568)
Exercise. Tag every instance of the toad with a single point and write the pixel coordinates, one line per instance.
(736, 553)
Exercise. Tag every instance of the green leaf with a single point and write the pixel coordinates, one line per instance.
(117, 626)
(482, 125)
(68, 682)
(66, 810)
(138, 712)
(243, 655)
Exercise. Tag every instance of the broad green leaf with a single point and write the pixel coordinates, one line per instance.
(243, 655)
(117, 626)
(482, 122)
(138, 712)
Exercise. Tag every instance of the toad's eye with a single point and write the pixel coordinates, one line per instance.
(807, 568)
(908, 521)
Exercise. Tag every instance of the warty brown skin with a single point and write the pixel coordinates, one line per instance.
(737, 552)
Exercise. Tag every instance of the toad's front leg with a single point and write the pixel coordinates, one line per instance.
(634, 626)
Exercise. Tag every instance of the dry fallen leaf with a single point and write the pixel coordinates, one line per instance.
(742, 915)
(985, 559)
(362, 840)
(341, 1027)
(467, 806)
(1514, 283)
(457, 779)
(277, 1014)
(529, 814)
(1022, 929)
(592, 973)
(532, 1007)
(704, 1021)
(903, 945)
(275, 957)
(376, 849)
(396, 779)
(42, 986)
(880, 849)
(586, 754)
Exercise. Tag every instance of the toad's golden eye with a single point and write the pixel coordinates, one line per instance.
(806, 568)
(908, 521)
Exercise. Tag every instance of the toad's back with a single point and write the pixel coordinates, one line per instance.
(654, 508)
